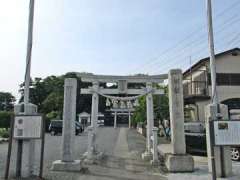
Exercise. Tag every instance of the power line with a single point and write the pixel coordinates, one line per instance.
(234, 5)
(183, 60)
(221, 42)
(202, 40)
(196, 52)
(224, 22)
(200, 43)
(231, 42)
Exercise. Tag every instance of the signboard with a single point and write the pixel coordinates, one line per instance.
(27, 127)
(227, 132)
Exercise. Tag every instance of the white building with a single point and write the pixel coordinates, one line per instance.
(197, 85)
(85, 118)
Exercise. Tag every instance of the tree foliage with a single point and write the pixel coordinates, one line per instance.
(48, 95)
(6, 101)
(5, 119)
(161, 108)
(140, 111)
(161, 105)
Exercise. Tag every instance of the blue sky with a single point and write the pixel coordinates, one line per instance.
(110, 36)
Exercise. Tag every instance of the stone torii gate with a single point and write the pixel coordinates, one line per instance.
(174, 160)
(119, 111)
(122, 89)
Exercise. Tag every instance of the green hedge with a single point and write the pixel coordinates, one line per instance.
(5, 119)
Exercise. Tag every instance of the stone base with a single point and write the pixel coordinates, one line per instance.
(155, 163)
(179, 163)
(59, 165)
(147, 156)
(93, 158)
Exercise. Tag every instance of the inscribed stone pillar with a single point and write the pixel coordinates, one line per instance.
(177, 160)
(67, 163)
(150, 116)
(176, 111)
(210, 113)
(95, 100)
(69, 115)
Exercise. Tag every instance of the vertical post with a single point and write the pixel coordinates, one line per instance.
(19, 159)
(69, 116)
(155, 160)
(176, 111)
(129, 119)
(42, 150)
(88, 121)
(31, 143)
(174, 160)
(222, 158)
(210, 113)
(191, 81)
(95, 99)
(7, 167)
(212, 53)
(115, 119)
(31, 156)
(90, 143)
(150, 117)
(29, 52)
(94, 117)
(226, 169)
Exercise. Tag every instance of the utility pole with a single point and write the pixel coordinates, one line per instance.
(191, 81)
(213, 81)
(20, 142)
(212, 53)
(29, 53)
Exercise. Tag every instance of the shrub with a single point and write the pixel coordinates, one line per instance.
(4, 134)
(5, 119)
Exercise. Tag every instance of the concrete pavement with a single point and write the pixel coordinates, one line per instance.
(122, 148)
(122, 165)
(200, 169)
(122, 161)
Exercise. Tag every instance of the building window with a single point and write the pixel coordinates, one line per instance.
(226, 79)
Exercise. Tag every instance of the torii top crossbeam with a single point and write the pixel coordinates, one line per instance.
(129, 79)
(122, 83)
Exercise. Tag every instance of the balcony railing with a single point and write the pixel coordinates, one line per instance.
(195, 88)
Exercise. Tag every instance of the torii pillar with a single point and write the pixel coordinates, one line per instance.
(115, 119)
(129, 119)
(92, 154)
(147, 155)
(94, 117)
(95, 101)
